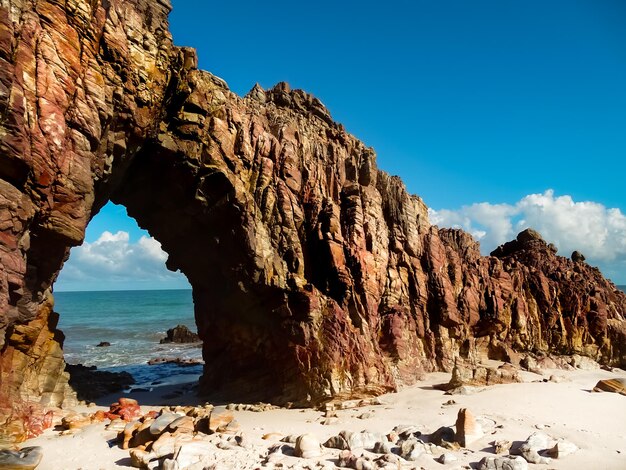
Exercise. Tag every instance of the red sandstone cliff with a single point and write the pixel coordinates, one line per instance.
(314, 274)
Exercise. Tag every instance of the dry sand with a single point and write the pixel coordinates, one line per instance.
(595, 422)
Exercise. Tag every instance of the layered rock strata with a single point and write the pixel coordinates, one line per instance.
(314, 274)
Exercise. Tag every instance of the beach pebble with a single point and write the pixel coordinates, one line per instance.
(307, 446)
(24, 459)
(503, 463)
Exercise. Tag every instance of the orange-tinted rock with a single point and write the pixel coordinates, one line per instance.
(218, 422)
(611, 385)
(315, 275)
(467, 429)
(125, 408)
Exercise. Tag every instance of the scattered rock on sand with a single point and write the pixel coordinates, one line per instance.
(502, 446)
(219, 421)
(382, 447)
(441, 435)
(467, 373)
(467, 429)
(256, 408)
(611, 385)
(307, 446)
(74, 421)
(503, 463)
(405, 432)
(125, 408)
(24, 459)
(446, 458)
(355, 440)
(562, 448)
(537, 442)
(412, 448)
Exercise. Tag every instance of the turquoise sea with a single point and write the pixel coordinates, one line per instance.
(133, 322)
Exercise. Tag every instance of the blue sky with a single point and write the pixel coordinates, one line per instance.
(498, 113)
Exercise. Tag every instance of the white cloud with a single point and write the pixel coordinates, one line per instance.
(589, 227)
(113, 261)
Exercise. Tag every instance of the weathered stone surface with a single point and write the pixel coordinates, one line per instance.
(314, 274)
(467, 429)
(307, 446)
(536, 444)
(611, 385)
(24, 459)
(562, 448)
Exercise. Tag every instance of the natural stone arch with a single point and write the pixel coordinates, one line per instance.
(315, 275)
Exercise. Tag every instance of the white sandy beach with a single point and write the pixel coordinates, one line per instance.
(594, 422)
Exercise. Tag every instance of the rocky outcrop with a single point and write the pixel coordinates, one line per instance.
(314, 274)
(180, 334)
(90, 383)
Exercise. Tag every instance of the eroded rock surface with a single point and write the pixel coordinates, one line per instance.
(314, 274)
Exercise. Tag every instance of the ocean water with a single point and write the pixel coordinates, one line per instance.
(133, 322)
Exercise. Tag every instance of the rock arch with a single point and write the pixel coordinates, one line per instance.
(315, 275)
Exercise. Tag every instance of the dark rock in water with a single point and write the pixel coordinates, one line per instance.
(179, 361)
(307, 262)
(180, 334)
(24, 459)
(90, 383)
(103, 344)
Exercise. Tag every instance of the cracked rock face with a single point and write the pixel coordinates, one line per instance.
(314, 274)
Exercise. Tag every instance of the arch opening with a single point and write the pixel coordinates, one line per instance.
(116, 301)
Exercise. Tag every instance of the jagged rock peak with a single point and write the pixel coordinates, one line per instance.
(298, 100)
(527, 239)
